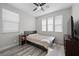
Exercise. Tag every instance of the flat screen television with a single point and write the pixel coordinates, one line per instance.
(76, 29)
(72, 27)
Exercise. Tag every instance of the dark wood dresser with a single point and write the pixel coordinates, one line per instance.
(71, 46)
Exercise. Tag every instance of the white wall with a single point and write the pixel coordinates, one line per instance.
(66, 17)
(27, 22)
(75, 11)
(8, 40)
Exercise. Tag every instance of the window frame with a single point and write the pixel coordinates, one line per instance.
(61, 25)
(51, 17)
(8, 21)
(44, 24)
(53, 24)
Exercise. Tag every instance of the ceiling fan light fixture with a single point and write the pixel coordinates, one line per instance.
(38, 8)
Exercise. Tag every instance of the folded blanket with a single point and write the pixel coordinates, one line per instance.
(49, 39)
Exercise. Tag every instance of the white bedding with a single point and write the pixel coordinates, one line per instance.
(45, 41)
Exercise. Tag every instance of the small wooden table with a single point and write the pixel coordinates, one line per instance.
(22, 39)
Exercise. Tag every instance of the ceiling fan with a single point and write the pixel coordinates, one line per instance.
(39, 6)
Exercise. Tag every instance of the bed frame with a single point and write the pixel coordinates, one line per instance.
(34, 44)
(29, 32)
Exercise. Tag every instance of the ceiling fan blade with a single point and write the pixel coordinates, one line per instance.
(36, 4)
(41, 4)
(42, 9)
(35, 9)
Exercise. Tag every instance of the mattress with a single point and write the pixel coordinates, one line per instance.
(42, 40)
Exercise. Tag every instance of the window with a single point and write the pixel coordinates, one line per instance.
(58, 23)
(43, 24)
(50, 24)
(10, 21)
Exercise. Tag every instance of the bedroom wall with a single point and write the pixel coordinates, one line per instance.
(59, 36)
(75, 11)
(27, 22)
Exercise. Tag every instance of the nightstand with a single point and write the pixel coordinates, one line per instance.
(22, 39)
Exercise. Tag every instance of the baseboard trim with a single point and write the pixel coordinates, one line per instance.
(4, 48)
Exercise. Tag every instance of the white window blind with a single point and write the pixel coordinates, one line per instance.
(50, 24)
(10, 21)
(43, 24)
(58, 23)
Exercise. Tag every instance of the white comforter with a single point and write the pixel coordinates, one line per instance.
(45, 41)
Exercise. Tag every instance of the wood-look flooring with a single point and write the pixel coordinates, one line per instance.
(24, 50)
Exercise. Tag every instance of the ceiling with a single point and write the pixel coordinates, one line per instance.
(49, 7)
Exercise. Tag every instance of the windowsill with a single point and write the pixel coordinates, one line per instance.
(51, 31)
(8, 32)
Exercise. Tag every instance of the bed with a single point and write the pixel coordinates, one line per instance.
(42, 40)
